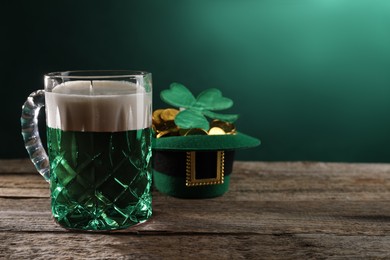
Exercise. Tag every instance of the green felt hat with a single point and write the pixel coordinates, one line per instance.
(197, 166)
(205, 142)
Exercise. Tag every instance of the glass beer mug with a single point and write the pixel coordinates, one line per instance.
(99, 146)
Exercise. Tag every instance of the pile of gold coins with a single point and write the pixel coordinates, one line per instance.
(164, 125)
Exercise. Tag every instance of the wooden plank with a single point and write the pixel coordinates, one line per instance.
(214, 216)
(265, 181)
(25, 166)
(207, 246)
(272, 210)
(309, 181)
(19, 184)
(17, 166)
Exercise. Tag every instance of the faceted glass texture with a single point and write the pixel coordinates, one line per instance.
(100, 180)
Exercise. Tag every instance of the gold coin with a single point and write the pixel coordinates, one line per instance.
(169, 114)
(196, 131)
(165, 133)
(216, 131)
(156, 116)
(228, 128)
(162, 133)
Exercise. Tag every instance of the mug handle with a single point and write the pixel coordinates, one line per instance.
(30, 132)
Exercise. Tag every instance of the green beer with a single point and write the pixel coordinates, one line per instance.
(99, 146)
(100, 180)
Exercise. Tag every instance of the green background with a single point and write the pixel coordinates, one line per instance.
(310, 78)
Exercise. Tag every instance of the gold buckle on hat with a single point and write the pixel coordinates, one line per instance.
(191, 179)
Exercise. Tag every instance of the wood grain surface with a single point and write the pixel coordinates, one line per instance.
(278, 210)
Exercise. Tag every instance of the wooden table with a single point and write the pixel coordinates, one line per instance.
(273, 210)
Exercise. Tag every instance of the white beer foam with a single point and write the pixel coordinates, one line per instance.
(98, 106)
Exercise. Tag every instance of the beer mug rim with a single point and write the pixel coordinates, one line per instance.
(97, 74)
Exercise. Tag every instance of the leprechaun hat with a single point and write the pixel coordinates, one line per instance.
(189, 161)
(196, 166)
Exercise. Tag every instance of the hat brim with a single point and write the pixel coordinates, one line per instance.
(205, 142)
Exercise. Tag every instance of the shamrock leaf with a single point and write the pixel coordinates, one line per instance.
(212, 99)
(223, 117)
(178, 96)
(187, 119)
(195, 110)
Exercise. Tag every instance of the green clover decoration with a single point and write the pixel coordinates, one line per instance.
(195, 110)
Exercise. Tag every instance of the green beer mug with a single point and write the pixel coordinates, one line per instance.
(99, 146)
